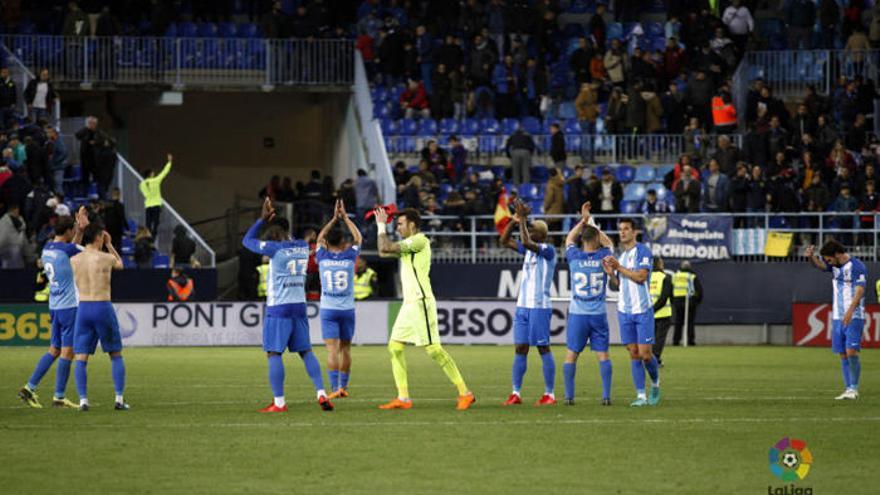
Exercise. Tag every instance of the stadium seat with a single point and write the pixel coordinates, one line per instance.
(379, 94)
(509, 126)
(573, 144)
(127, 246)
(445, 189)
(227, 29)
(645, 173)
(171, 30)
(128, 262)
(161, 261)
(662, 170)
(408, 127)
(567, 111)
(531, 125)
(248, 30)
(625, 173)
(187, 30)
(634, 192)
(490, 143)
(572, 126)
(527, 191)
(614, 31)
(654, 29)
(471, 127)
(489, 126)
(207, 30)
(428, 128)
(498, 171)
(629, 207)
(537, 206)
(132, 226)
(662, 192)
(449, 126)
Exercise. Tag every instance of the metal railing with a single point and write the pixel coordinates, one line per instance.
(180, 62)
(371, 133)
(592, 148)
(19, 73)
(476, 241)
(790, 72)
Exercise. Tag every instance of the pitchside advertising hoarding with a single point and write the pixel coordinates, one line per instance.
(241, 323)
(812, 323)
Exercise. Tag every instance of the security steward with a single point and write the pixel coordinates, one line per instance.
(687, 293)
(180, 286)
(263, 278)
(661, 295)
(365, 280)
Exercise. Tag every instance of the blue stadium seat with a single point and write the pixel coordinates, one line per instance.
(445, 189)
(662, 170)
(171, 30)
(248, 30)
(645, 173)
(132, 226)
(572, 126)
(490, 143)
(489, 126)
(546, 126)
(449, 126)
(509, 126)
(408, 127)
(187, 30)
(408, 144)
(537, 206)
(634, 192)
(471, 127)
(160, 261)
(528, 191)
(498, 171)
(128, 262)
(625, 173)
(127, 246)
(614, 31)
(379, 94)
(567, 111)
(395, 91)
(654, 29)
(531, 125)
(428, 128)
(227, 29)
(540, 174)
(207, 30)
(629, 207)
(662, 193)
(573, 144)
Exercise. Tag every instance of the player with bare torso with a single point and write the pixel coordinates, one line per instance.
(95, 318)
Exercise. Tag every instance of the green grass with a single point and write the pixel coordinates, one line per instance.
(193, 427)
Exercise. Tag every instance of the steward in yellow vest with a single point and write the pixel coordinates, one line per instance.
(365, 281)
(661, 295)
(686, 289)
(41, 292)
(263, 280)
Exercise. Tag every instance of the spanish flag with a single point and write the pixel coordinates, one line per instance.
(502, 212)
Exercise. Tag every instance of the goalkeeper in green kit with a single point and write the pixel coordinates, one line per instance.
(417, 321)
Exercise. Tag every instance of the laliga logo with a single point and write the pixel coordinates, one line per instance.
(126, 328)
(655, 227)
(817, 326)
(790, 459)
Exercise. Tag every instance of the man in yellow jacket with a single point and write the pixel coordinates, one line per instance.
(151, 188)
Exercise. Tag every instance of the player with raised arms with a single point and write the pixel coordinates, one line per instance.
(95, 317)
(635, 311)
(416, 322)
(336, 259)
(531, 326)
(849, 277)
(63, 300)
(285, 324)
(587, 319)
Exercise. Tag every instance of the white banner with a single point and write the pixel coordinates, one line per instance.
(228, 323)
(491, 322)
(241, 323)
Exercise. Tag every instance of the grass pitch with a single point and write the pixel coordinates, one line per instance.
(193, 427)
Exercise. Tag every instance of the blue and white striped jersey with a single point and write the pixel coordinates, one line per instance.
(845, 280)
(56, 265)
(288, 265)
(337, 277)
(537, 276)
(588, 280)
(635, 298)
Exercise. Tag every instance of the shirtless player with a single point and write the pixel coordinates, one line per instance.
(95, 318)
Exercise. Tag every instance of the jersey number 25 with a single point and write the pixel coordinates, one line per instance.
(588, 286)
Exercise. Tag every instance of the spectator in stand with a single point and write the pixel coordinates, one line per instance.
(673, 61)
(857, 46)
(441, 97)
(366, 194)
(15, 189)
(739, 22)
(271, 189)
(687, 192)
(615, 115)
(8, 98)
(598, 25)
(672, 102)
(428, 179)
(88, 138)
(504, 79)
(587, 106)
(653, 112)
(716, 189)
(723, 113)
(40, 96)
(800, 16)
(580, 61)
(347, 195)
(739, 191)
(777, 137)
(313, 188)
(614, 62)
(829, 21)
(13, 238)
(113, 214)
(598, 74)
(857, 136)
(757, 197)
(143, 248)
(868, 203)
(578, 192)
(520, 147)
(652, 205)
(609, 193)
(554, 198)
(698, 96)
(183, 249)
(817, 196)
(414, 101)
(868, 173)
(840, 159)
(636, 110)
(425, 56)
(457, 157)
(35, 162)
(843, 180)
(845, 203)
(557, 146)
(56, 156)
(401, 174)
(826, 135)
(727, 155)
(436, 158)
(105, 162)
(285, 194)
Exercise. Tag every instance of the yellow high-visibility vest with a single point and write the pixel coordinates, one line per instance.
(877, 289)
(262, 285)
(657, 279)
(362, 284)
(683, 284)
(42, 295)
